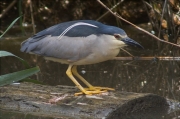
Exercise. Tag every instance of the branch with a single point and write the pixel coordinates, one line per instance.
(32, 17)
(8, 8)
(111, 9)
(118, 16)
(148, 58)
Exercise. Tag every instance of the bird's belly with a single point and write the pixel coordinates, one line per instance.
(97, 57)
(63, 61)
(93, 58)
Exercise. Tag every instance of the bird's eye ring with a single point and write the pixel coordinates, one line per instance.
(117, 36)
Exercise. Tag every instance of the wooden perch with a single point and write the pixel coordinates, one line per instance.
(59, 101)
(148, 58)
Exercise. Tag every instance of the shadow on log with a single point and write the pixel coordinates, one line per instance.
(59, 101)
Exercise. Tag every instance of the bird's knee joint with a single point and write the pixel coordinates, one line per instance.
(68, 73)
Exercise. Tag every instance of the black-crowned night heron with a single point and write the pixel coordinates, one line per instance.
(80, 42)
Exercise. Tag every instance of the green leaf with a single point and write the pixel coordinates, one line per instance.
(32, 81)
(10, 26)
(5, 53)
(17, 76)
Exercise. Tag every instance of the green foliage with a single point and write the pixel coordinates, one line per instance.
(16, 76)
(5, 53)
(10, 26)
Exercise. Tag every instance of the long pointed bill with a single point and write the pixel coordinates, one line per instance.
(130, 41)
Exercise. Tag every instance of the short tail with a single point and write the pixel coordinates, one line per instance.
(27, 46)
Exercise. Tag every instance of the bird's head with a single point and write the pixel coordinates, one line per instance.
(121, 35)
(127, 40)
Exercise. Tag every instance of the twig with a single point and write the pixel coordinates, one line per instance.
(116, 15)
(32, 17)
(148, 58)
(8, 8)
(127, 52)
(164, 7)
(108, 11)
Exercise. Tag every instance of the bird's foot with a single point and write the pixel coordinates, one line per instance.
(90, 92)
(94, 90)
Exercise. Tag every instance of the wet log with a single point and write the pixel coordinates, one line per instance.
(59, 101)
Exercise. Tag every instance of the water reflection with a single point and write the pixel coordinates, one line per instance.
(158, 77)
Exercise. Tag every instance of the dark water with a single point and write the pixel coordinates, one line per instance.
(158, 77)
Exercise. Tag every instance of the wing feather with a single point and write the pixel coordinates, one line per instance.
(72, 49)
(70, 40)
(66, 40)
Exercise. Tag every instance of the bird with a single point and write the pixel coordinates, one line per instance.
(79, 42)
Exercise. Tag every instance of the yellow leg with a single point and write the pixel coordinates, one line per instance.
(84, 91)
(90, 87)
(69, 73)
(74, 71)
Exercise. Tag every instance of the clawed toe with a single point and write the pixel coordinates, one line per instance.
(94, 90)
(98, 88)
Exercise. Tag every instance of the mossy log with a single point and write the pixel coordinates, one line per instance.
(59, 101)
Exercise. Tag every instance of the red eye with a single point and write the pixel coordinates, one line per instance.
(116, 36)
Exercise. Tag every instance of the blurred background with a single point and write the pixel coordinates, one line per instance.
(159, 17)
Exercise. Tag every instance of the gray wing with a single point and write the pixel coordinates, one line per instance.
(70, 40)
(69, 48)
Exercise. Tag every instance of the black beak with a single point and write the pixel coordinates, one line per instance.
(130, 41)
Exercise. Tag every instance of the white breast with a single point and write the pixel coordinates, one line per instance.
(106, 48)
(101, 48)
